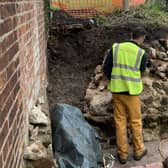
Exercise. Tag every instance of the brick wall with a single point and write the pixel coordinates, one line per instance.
(22, 73)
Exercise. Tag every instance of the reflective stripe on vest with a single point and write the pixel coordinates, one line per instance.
(138, 60)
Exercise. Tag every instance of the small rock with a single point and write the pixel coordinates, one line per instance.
(41, 100)
(49, 88)
(156, 44)
(35, 151)
(152, 111)
(34, 133)
(161, 55)
(92, 85)
(147, 81)
(31, 127)
(147, 99)
(164, 43)
(98, 69)
(164, 100)
(38, 117)
(157, 85)
(153, 53)
(102, 87)
(98, 77)
(165, 87)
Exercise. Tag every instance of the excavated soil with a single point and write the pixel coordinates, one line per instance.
(73, 56)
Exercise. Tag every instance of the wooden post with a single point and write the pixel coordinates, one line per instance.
(126, 5)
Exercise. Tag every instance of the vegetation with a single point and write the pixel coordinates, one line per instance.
(147, 14)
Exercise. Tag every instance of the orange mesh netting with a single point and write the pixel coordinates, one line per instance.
(90, 8)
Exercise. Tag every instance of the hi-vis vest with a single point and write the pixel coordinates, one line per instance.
(126, 75)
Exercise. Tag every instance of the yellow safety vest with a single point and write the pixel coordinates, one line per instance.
(126, 75)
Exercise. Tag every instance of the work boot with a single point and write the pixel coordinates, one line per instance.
(122, 160)
(139, 157)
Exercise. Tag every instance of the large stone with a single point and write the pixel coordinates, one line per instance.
(35, 151)
(38, 117)
(101, 103)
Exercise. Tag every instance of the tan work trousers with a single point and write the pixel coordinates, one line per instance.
(128, 106)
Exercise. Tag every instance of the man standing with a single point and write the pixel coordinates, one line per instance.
(123, 67)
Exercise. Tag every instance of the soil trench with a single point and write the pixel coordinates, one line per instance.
(72, 58)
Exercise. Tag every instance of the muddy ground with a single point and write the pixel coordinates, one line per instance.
(72, 58)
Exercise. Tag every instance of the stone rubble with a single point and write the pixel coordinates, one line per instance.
(38, 117)
(98, 100)
(39, 151)
(35, 151)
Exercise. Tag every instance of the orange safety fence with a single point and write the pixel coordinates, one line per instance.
(89, 8)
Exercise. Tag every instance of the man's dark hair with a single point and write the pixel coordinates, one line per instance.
(138, 32)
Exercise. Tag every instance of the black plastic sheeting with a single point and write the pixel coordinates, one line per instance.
(75, 142)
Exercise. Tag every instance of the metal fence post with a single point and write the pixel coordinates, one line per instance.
(126, 5)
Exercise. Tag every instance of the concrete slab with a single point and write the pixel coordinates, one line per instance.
(152, 156)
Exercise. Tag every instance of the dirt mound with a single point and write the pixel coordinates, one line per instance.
(73, 57)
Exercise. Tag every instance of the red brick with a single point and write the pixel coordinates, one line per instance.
(1, 162)
(22, 30)
(3, 114)
(18, 8)
(3, 134)
(7, 26)
(25, 18)
(3, 62)
(12, 67)
(16, 89)
(9, 159)
(5, 109)
(5, 150)
(3, 78)
(10, 138)
(7, 90)
(7, 10)
(12, 51)
(8, 41)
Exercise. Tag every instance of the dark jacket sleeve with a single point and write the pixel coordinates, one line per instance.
(144, 63)
(108, 64)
